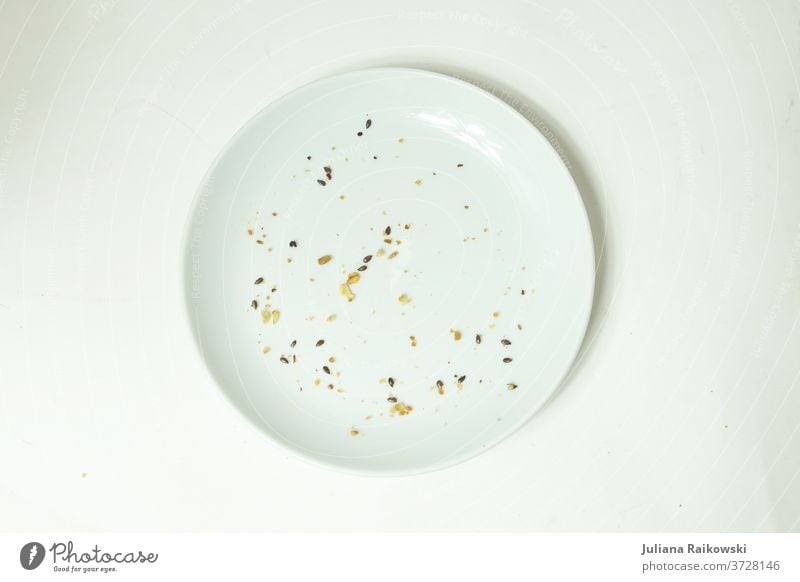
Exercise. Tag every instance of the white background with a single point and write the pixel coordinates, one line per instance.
(681, 125)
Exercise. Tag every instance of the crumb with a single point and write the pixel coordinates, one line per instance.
(354, 432)
(265, 350)
(401, 409)
(324, 259)
(345, 291)
(418, 182)
(331, 317)
(404, 299)
(413, 341)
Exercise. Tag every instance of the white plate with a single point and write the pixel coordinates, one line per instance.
(491, 212)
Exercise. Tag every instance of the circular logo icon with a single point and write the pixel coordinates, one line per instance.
(31, 555)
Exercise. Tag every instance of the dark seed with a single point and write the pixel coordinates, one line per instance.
(308, 157)
(369, 123)
(387, 231)
(506, 360)
(294, 343)
(392, 399)
(374, 157)
(505, 342)
(439, 383)
(461, 379)
(259, 281)
(321, 182)
(320, 342)
(294, 359)
(254, 304)
(362, 268)
(478, 338)
(330, 386)
(293, 244)
(511, 386)
(326, 369)
(367, 259)
(459, 165)
(327, 169)
(360, 133)
(391, 382)
(284, 359)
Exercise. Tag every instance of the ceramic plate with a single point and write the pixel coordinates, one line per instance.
(388, 271)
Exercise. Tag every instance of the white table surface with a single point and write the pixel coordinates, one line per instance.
(681, 125)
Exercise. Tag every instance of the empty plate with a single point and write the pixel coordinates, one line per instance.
(388, 271)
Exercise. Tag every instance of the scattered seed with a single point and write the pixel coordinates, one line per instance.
(478, 338)
(511, 386)
(330, 386)
(391, 382)
(392, 399)
(323, 260)
(505, 342)
(519, 326)
(360, 133)
(461, 379)
(369, 123)
(326, 369)
(254, 304)
(294, 343)
(439, 384)
(353, 278)
(459, 165)
(293, 244)
(259, 281)
(308, 157)
(320, 342)
(507, 360)
(387, 231)
(294, 359)
(284, 359)
(362, 268)
(367, 259)
(327, 169)
(250, 231)
(321, 182)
